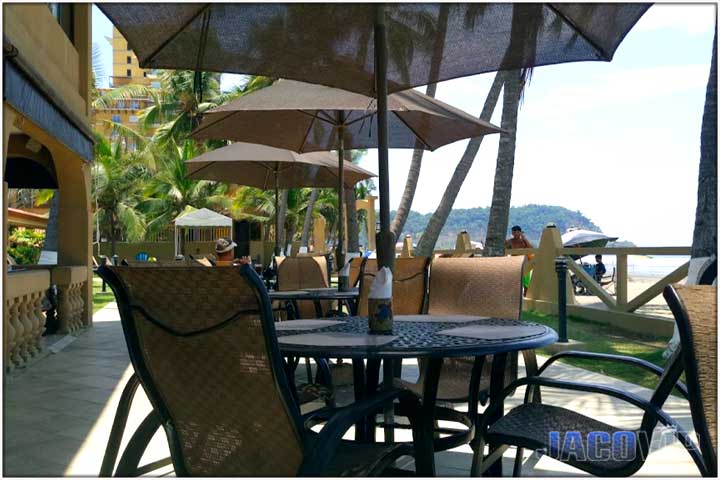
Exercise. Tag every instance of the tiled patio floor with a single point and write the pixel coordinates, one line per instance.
(58, 413)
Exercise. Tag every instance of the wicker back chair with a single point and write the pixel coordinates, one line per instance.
(203, 346)
(410, 284)
(491, 287)
(356, 265)
(529, 425)
(296, 273)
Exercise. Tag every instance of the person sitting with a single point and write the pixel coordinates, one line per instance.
(599, 268)
(224, 250)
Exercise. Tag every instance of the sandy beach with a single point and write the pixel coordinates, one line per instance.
(636, 285)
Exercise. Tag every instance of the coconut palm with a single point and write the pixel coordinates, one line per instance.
(427, 242)
(704, 246)
(117, 188)
(502, 187)
(168, 192)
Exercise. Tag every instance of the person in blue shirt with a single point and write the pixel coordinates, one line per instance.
(599, 268)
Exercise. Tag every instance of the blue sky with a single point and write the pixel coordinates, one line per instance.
(619, 141)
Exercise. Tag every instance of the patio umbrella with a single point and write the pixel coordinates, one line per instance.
(577, 237)
(267, 167)
(371, 48)
(304, 117)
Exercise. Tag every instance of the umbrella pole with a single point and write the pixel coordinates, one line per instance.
(340, 250)
(277, 214)
(383, 239)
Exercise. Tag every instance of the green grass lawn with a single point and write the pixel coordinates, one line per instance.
(601, 338)
(101, 299)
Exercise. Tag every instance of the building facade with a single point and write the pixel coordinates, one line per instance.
(125, 71)
(48, 143)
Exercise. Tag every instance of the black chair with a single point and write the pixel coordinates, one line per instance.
(203, 346)
(534, 425)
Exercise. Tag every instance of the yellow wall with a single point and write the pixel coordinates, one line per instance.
(125, 109)
(121, 65)
(42, 43)
(64, 67)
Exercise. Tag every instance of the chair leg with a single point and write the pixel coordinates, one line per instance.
(517, 467)
(118, 427)
(130, 460)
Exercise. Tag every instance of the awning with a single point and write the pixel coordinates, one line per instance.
(23, 92)
(203, 218)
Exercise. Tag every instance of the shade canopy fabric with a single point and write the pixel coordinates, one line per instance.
(304, 117)
(333, 44)
(581, 238)
(203, 218)
(256, 165)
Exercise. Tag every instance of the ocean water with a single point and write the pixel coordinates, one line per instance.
(644, 266)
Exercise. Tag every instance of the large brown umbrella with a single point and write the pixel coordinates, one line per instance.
(267, 167)
(305, 117)
(371, 48)
(334, 44)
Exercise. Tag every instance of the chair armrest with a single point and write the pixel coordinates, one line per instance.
(643, 364)
(316, 461)
(630, 398)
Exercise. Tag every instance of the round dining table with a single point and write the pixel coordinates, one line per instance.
(428, 337)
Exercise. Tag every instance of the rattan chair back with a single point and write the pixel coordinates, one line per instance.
(487, 286)
(203, 343)
(355, 270)
(296, 273)
(484, 286)
(695, 311)
(410, 283)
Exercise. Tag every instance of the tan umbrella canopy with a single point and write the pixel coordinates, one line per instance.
(304, 117)
(334, 44)
(267, 167)
(371, 48)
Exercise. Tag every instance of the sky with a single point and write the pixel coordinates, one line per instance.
(619, 141)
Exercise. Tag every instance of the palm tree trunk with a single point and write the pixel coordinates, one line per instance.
(439, 217)
(705, 233)
(703, 254)
(281, 214)
(502, 189)
(113, 233)
(353, 231)
(308, 217)
(403, 210)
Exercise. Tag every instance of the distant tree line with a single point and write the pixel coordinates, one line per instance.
(532, 219)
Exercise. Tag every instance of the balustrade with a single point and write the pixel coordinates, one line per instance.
(24, 321)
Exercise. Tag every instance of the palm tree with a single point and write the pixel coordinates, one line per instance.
(403, 210)
(117, 188)
(427, 242)
(502, 188)
(309, 216)
(704, 246)
(169, 191)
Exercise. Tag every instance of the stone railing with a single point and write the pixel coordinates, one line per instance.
(70, 283)
(24, 321)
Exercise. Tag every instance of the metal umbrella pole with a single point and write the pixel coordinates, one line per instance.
(340, 250)
(384, 238)
(277, 214)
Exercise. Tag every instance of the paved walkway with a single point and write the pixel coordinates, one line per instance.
(58, 413)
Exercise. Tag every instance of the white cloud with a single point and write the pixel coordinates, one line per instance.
(692, 18)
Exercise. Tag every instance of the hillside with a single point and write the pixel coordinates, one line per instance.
(532, 218)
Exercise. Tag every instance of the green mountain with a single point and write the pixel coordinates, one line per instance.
(532, 219)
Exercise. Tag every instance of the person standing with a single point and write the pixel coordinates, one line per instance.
(518, 240)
